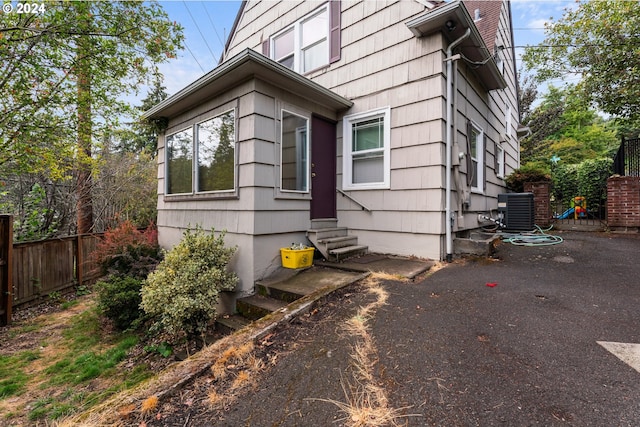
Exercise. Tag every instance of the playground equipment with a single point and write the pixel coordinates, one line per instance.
(578, 209)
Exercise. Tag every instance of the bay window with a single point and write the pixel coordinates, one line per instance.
(294, 154)
(179, 162)
(201, 158)
(216, 153)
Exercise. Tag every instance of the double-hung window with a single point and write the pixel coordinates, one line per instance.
(304, 46)
(499, 160)
(212, 168)
(367, 150)
(294, 154)
(476, 153)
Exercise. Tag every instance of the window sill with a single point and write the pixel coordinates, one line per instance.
(367, 187)
(201, 196)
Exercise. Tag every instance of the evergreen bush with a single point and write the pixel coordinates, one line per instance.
(532, 172)
(182, 293)
(587, 179)
(119, 299)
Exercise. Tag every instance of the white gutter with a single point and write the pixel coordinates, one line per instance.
(449, 140)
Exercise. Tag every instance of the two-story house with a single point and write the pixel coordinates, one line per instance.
(393, 121)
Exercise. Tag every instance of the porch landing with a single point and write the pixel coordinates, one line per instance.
(288, 291)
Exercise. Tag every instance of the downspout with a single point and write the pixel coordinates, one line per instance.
(449, 140)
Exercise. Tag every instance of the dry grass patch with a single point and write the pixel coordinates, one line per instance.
(366, 402)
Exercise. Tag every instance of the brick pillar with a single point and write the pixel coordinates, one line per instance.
(541, 201)
(623, 202)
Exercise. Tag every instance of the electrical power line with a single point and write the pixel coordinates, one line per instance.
(201, 35)
(222, 43)
(194, 57)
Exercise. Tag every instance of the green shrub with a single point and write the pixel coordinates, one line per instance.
(592, 180)
(587, 179)
(182, 293)
(565, 181)
(119, 299)
(532, 172)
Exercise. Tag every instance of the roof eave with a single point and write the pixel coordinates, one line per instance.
(435, 21)
(245, 65)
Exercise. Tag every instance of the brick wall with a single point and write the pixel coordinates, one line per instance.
(623, 202)
(541, 201)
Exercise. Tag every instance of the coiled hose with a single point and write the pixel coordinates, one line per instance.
(539, 237)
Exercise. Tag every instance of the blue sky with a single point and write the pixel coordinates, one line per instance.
(207, 24)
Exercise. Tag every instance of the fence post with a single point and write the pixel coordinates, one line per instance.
(541, 201)
(79, 260)
(6, 268)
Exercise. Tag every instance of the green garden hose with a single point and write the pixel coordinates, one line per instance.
(539, 237)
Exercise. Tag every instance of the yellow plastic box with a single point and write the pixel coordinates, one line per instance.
(296, 258)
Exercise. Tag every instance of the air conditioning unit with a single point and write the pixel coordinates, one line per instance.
(517, 211)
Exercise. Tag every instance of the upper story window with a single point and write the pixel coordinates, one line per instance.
(367, 150)
(309, 43)
(304, 46)
(214, 163)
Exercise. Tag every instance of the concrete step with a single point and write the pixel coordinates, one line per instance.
(339, 242)
(256, 306)
(348, 251)
(285, 291)
(320, 223)
(326, 233)
(230, 324)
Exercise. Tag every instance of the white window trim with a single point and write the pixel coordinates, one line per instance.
(297, 40)
(166, 161)
(500, 160)
(196, 154)
(507, 122)
(308, 152)
(480, 153)
(347, 172)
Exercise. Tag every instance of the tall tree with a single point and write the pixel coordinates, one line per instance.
(64, 72)
(564, 125)
(143, 134)
(600, 41)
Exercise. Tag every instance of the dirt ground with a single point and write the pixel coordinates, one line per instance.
(41, 328)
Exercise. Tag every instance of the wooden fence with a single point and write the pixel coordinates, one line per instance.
(34, 270)
(6, 276)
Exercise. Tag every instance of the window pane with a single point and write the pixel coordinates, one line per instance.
(179, 162)
(368, 168)
(315, 56)
(287, 62)
(474, 143)
(474, 171)
(283, 45)
(295, 153)
(216, 159)
(367, 135)
(315, 28)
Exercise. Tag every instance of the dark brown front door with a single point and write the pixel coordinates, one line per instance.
(323, 168)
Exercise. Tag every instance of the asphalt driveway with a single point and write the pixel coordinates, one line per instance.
(524, 352)
(452, 351)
